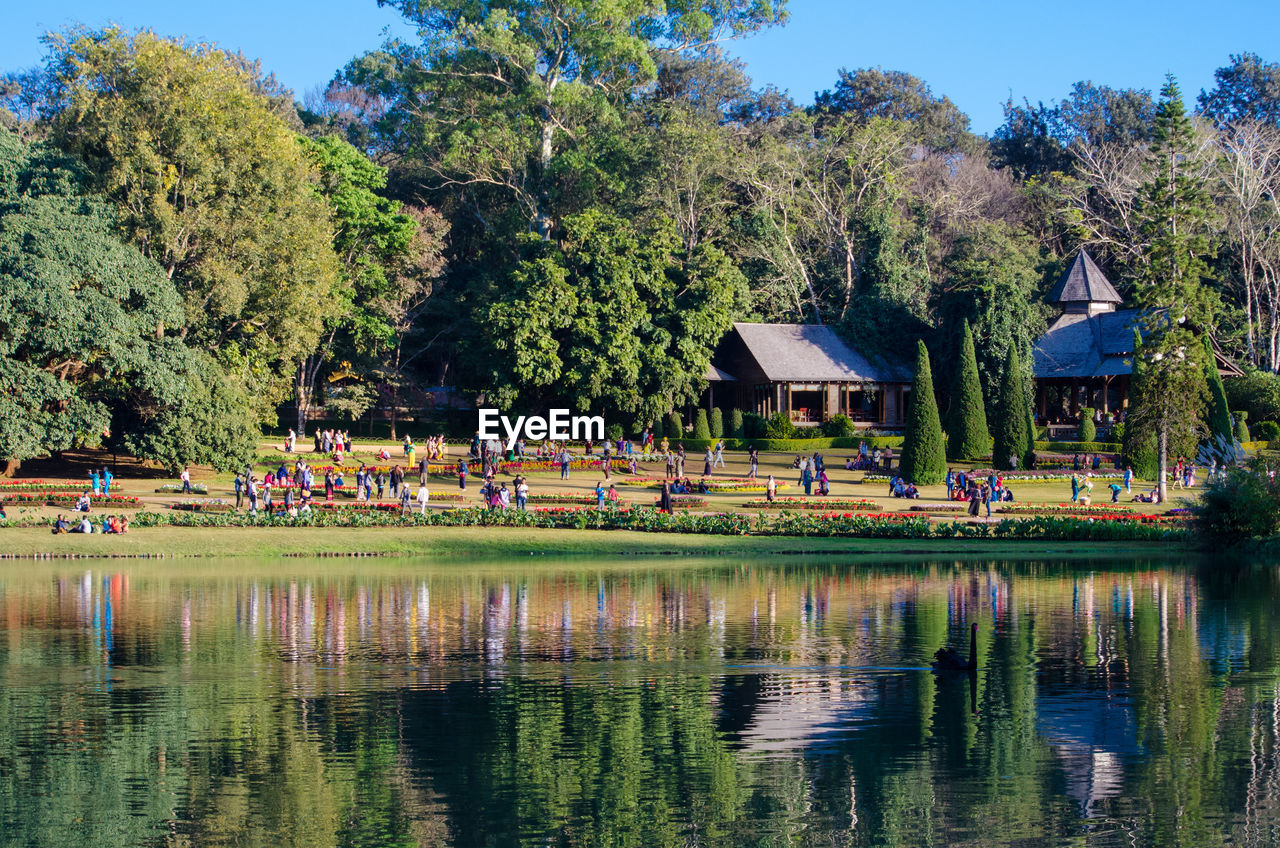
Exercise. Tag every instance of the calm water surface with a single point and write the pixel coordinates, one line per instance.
(647, 703)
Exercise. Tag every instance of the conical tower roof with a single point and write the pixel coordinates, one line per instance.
(1084, 282)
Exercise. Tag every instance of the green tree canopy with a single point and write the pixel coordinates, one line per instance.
(84, 350)
(208, 181)
(1010, 431)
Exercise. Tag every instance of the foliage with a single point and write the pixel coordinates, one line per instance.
(83, 344)
(674, 426)
(838, 426)
(967, 434)
(613, 432)
(868, 93)
(779, 426)
(701, 430)
(753, 425)
(1010, 432)
(717, 423)
(1088, 430)
(1240, 417)
(924, 460)
(736, 424)
(208, 181)
(1243, 503)
(1266, 431)
(1257, 392)
(1218, 417)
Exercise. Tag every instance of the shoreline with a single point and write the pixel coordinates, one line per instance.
(19, 544)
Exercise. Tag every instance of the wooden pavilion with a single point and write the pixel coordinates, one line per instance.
(807, 371)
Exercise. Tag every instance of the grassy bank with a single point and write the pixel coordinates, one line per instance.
(496, 542)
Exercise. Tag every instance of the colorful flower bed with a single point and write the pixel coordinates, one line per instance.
(564, 498)
(1067, 509)
(213, 505)
(42, 486)
(820, 502)
(851, 524)
(715, 484)
(684, 501)
(939, 507)
(176, 489)
(63, 499)
(1015, 476)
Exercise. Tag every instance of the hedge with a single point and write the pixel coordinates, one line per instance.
(793, 445)
(1078, 447)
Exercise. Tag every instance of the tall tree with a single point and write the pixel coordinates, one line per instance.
(868, 93)
(511, 94)
(1174, 209)
(924, 460)
(1218, 416)
(967, 434)
(1248, 89)
(84, 350)
(1010, 430)
(209, 182)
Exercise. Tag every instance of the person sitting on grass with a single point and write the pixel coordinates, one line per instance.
(60, 525)
(703, 488)
(1147, 497)
(83, 527)
(82, 503)
(824, 485)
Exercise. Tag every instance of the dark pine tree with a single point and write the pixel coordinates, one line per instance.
(1010, 430)
(967, 434)
(924, 459)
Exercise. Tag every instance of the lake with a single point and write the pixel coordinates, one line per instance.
(647, 702)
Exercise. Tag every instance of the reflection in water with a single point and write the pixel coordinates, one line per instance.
(710, 705)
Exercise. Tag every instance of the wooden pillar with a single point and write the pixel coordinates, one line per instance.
(1106, 396)
(1075, 400)
(1042, 401)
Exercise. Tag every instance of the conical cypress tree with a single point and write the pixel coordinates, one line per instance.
(924, 459)
(1138, 448)
(701, 430)
(1217, 416)
(1010, 430)
(717, 422)
(1242, 428)
(735, 423)
(675, 427)
(967, 434)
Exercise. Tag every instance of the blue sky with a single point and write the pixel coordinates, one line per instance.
(978, 54)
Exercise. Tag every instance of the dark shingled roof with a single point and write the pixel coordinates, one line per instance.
(1079, 345)
(813, 353)
(719, 375)
(1084, 282)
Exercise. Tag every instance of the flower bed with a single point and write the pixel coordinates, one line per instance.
(714, 484)
(939, 507)
(42, 486)
(213, 505)
(176, 489)
(684, 501)
(851, 524)
(564, 498)
(63, 499)
(1067, 509)
(820, 502)
(1018, 476)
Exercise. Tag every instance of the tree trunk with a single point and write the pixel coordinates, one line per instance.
(544, 161)
(303, 396)
(10, 467)
(1162, 440)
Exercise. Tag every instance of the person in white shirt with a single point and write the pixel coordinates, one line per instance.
(422, 499)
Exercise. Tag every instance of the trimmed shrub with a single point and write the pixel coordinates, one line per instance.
(1011, 437)
(1242, 428)
(967, 433)
(779, 426)
(838, 426)
(701, 430)
(1266, 431)
(1088, 430)
(717, 423)
(924, 459)
(613, 432)
(675, 427)
(1217, 415)
(736, 423)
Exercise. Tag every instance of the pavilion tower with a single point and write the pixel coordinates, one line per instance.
(1085, 289)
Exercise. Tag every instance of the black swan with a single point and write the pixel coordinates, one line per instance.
(948, 659)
